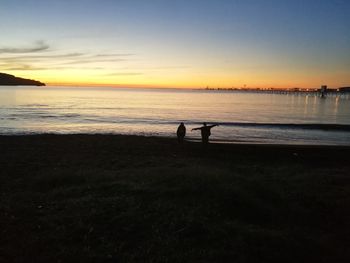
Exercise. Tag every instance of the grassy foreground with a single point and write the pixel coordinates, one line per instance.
(104, 198)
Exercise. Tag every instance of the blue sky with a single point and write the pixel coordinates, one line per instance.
(178, 43)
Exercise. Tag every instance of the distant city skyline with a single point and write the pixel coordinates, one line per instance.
(184, 44)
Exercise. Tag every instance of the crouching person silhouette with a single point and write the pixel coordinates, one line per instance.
(205, 132)
(181, 132)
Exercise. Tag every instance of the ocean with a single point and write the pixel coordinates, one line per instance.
(242, 116)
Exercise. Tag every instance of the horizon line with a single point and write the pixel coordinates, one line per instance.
(155, 86)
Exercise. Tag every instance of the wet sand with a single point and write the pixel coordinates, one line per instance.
(108, 198)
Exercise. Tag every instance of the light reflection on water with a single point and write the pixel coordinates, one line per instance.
(158, 112)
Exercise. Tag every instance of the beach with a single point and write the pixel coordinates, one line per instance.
(119, 198)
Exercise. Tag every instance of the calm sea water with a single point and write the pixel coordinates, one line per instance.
(243, 117)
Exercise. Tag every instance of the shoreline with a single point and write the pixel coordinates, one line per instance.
(188, 140)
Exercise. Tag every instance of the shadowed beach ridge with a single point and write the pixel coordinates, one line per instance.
(108, 198)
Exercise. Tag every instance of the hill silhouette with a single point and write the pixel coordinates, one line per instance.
(10, 80)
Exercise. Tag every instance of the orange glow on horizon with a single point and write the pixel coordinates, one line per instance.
(194, 79)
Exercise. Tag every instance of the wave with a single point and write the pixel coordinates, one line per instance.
(33, 105)
(307, 126)
(40, 115)
(152, 121)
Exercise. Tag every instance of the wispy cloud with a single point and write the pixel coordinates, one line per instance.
(31, 67)
(116, 55)
(92, 60)
(30, 58)
(124, 74)
(69, 55)
(67, 59)
(36, 47)
(170, 67)
(52, 56)
(21, 67)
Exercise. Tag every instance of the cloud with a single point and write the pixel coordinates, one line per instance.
(29, 67)
(21, 67)
(37, 47)
(116, 55)
(54, 60)
(124, 74)
(33, 57)
(91, 60)
(171, 67)
(99, 58)
(29, 58)
(65, 59)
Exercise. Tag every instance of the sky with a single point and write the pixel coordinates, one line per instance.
(186, 44)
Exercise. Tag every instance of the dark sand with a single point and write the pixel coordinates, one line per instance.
(104, 198)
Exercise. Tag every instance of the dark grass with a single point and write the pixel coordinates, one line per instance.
(103, 198)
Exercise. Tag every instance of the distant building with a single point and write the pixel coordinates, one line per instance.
(323, 90)
(344, 89)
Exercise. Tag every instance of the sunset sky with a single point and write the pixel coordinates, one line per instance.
(167, 43)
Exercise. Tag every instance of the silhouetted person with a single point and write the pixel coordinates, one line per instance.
(205, 132)
(181, 132)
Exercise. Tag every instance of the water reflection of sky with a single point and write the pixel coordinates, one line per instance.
(157, 112)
